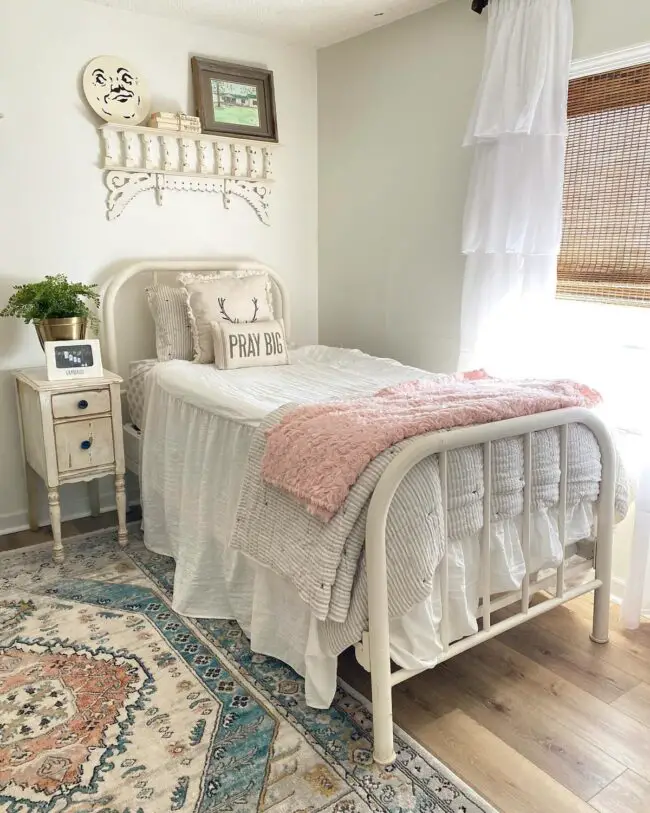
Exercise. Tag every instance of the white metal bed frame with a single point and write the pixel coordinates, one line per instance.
(373, 651)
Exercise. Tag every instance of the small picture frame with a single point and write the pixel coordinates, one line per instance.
(74, 359)
(234, 100)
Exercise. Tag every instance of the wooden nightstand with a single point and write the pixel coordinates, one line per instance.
(72, 432)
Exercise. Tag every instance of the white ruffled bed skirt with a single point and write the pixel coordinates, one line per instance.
(192, 466)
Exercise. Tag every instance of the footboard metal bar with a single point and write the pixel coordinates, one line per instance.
(528, 468)
(564, 465)
(486, 535)
(440, 443)
(444, 564)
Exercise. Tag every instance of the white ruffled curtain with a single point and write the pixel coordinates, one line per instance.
(513, 214)
(636, 599)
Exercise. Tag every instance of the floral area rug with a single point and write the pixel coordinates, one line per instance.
(112, 703)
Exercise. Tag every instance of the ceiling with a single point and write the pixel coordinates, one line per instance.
(312, 22)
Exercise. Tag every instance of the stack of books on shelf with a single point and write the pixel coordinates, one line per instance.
(175, 121)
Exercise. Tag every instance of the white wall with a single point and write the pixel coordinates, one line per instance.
(52, 212)
(393, 107)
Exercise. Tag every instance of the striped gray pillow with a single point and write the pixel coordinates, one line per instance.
(173, 330)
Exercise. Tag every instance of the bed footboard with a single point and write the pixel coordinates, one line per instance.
(374, 652)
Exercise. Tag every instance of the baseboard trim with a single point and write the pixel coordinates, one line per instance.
(74, 504)
(15, 523)
(618, 589)
(618, 592)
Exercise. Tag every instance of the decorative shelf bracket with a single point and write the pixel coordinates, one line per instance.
(139, 159)
(124, 185)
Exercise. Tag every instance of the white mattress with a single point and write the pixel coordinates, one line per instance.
(316, 374)
(197, 430)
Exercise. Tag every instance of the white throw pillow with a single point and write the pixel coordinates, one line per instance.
(256, 344)
(230, 296)
(168, 307)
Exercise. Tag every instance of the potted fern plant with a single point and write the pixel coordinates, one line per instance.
(59, 309)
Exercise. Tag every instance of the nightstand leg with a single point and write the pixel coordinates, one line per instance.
(32, 497)
(120, 501)
(93, 497)
(55, 519)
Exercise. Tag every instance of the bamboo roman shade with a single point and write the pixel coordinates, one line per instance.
(605, 253)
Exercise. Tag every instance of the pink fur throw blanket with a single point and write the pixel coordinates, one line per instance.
(317, 451)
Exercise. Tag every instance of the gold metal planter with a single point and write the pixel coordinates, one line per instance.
(56, 330)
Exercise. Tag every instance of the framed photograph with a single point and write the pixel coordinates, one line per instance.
(234, 100)
(78, 358)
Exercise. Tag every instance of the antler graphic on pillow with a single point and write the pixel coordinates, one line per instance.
(224, 313)
(222, 307)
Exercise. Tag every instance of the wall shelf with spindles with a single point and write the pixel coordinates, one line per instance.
(137, 159)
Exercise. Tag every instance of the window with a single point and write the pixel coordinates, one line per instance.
(605, 252)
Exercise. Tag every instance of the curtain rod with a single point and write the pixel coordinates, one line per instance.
(479, 5)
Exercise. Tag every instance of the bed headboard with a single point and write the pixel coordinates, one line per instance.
(114, 337)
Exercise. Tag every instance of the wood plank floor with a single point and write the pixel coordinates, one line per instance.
(538, 720)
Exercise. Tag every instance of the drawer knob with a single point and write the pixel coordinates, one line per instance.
(86, 444)
(83, 404)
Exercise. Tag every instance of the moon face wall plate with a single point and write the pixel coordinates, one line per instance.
(115, 90)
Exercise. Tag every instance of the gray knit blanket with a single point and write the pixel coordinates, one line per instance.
(325, 561)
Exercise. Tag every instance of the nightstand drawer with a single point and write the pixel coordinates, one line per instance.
(85, 402)
(84, 444)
